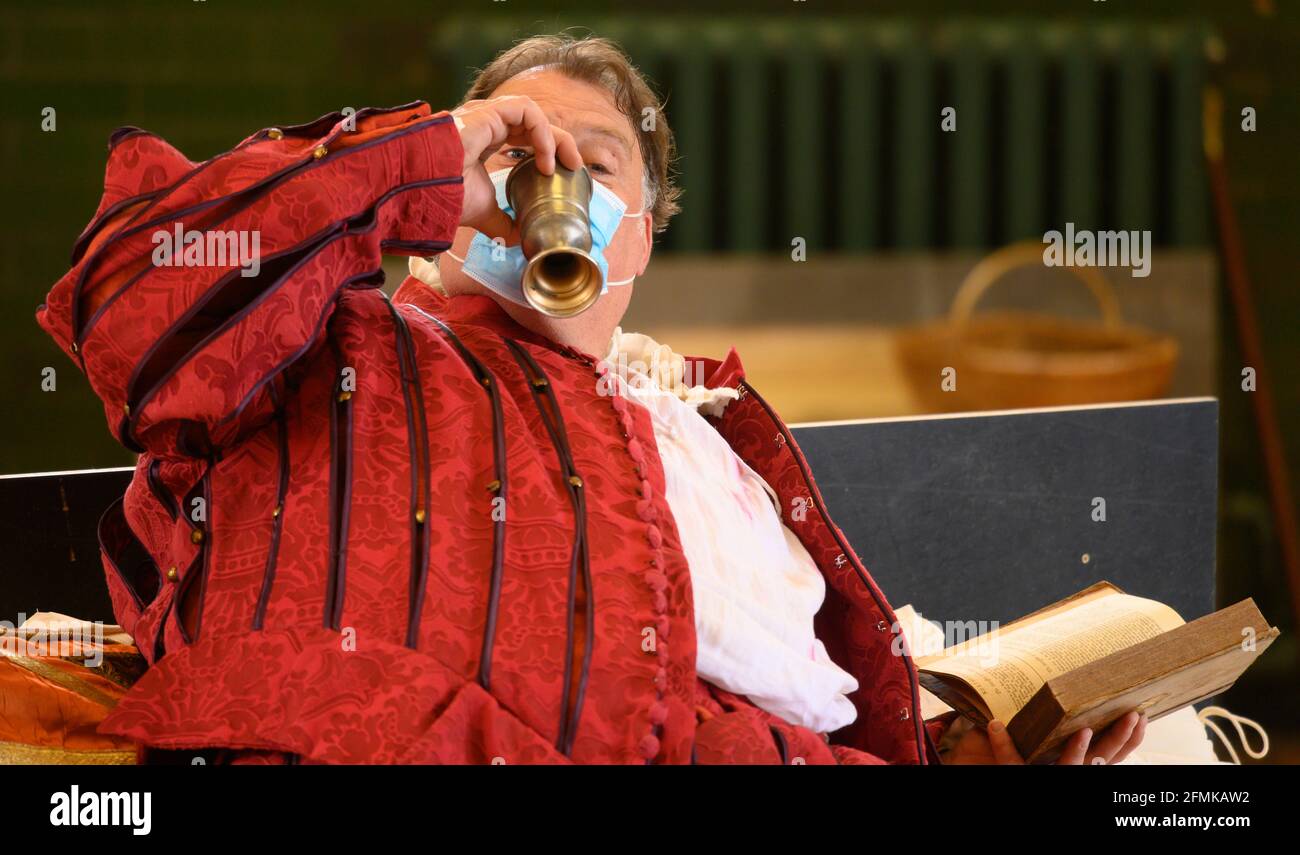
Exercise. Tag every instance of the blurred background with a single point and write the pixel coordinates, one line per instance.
(800, 126)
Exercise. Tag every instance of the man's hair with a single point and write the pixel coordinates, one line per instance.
(602, 63)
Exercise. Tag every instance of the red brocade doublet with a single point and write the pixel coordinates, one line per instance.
(366, 529)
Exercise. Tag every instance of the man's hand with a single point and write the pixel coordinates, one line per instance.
(997, 748)
(485, 126)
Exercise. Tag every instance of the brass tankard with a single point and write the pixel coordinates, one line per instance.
(561, 278)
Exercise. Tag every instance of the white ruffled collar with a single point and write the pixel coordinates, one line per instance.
(645, 363)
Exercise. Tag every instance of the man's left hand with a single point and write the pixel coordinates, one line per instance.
(996, 746)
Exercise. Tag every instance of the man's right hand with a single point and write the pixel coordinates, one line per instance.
(485, 126)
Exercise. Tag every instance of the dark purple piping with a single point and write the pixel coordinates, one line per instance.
(160, 640)
(137, 401)
(929, 742)
(378, 272)
(124, 133)
(423, 433)
(205, 549)
(579, 499)
(193, 573)
(417, 432)
(249, 195)
(317, 126)
(340, 497)
(124, 435)
(309, 248)
(589, 613)
(89, 232)
(482, 374)
(193, 440)
(160, 491)
(277, 524)
(570, 613)
(499, 467)
(857, 565)
(126, 286)
(420, 246)
(571, 714)
(81, 278)
(112, 558)
(782, 747)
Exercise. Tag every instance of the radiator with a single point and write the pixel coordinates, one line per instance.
(830, 130)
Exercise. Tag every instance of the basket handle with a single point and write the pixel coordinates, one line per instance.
(997, 264)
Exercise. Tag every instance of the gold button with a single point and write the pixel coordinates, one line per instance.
(486, 381)
(344, 396)
(171, 573)
(126, 408)
(540, 382)
(575, 480)
(493, 486)
(319, 152)
(276, 513)
(419, 516)
(196, 536)
(75, 349)
(275, 133)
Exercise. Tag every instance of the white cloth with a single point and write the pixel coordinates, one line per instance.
(756, 588)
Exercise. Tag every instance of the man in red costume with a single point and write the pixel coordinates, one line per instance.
(443, 527)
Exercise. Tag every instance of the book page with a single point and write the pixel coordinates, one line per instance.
(1007, 666)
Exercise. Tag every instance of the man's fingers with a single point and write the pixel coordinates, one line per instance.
(1004, 748)
(1075, 749)
(517, 120)
(495, 224)
(566, 149)
(1134, 740)
(497, 120)
(1113, 739)
(523, 114)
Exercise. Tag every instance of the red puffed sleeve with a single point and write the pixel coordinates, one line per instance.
(197, 285)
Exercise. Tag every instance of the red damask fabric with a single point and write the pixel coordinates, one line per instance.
(366, 530)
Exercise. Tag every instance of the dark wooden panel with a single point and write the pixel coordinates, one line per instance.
(988, 517)
(50, 555)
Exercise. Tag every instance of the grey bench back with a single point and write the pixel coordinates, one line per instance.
(989, 516)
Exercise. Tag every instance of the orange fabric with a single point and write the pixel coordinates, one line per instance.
(375, 126)
(50, 708)
(99, 290)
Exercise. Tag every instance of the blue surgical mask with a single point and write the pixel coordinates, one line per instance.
(500, 268)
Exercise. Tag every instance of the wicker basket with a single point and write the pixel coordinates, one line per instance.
(1011, 360)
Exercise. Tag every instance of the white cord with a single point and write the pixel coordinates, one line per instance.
(1237, 721)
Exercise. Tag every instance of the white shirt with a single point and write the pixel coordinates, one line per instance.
(756, 588)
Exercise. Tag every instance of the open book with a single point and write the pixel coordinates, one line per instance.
(1088, 660)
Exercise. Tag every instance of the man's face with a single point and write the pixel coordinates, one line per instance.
(611, 151)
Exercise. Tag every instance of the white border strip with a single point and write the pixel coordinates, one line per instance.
(67, 472)
(975, 414)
